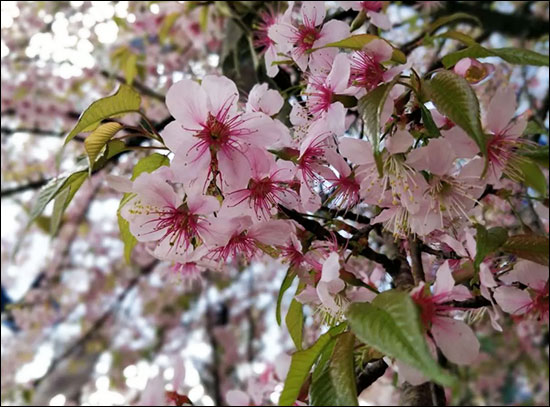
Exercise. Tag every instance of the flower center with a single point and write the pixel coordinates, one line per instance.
(365, 71)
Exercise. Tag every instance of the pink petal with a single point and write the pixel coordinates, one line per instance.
(282, 34)
(456, 340)
(174, 135)
(222, 94)
(310, 200)
(462, 145)
(513, 300)
(313, 13)
(444, 281)
(486, 277)
(331, 268)
(186, 100)
(437, 157)
(191, 162)
(357, 151)
(380, 20)
(336, 118)
(501, 109)
(202, 204)
(273, 232)
(332, 31)
(529, 273)
(379, 49)
(234, 168)
(270, 56)
(338, 77)
(400, 142)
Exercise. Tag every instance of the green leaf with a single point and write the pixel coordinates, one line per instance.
(529, 247)
(533, 176)
(459, 36)
(125, 100)
(357, 42)
(533, 128)
(301, 363)
(126, 236)
(130, 68)
(149, 164)
(295, 322)
(453, 96)
(538, 154)
(487, 242)
(95, 142)
(167, 25)
(391, 325)
(370, 108)
(285, 285)
(58, 210)
(335, 385)
(518, 56)
(442, 21)
(429, 124)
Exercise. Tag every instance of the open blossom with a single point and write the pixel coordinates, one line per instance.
(308, 34)
(311, 164)
(531, 302)
(268, 47)
(456, 340)
(367, 71)
(210, 137)
(321, 91)
(239, 236)
(372, 9)
(162, 212)
(346, 185)
(269, 186)
(451, 192)
(504, 136)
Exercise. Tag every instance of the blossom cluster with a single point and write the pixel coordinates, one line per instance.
(240, 168)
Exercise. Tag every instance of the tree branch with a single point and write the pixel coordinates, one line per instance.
(145, 90)
(372, 372)
(7, 192)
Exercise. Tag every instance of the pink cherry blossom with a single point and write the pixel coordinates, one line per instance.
(372, 10)
(321, 91)
(455, 339)
(161, 212)
(262, 40)
(239, 236)
(534, 301)
(210, 135)
(505, 135)
(268, 186)
(308, 34)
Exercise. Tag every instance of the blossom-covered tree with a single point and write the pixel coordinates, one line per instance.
(275, 203)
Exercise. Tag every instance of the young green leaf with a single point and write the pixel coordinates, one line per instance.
(149, 164)
(391, 325)
(295, 322)
(456, 17)
(285, 285)
(59, 206)
(454, 97)
(370, 108)
(357, 42)
(125, 100)
(517, 56)
(95, 142)
(301, 363)
(335, 384)
(533, 176)
(530, 247)
(487, 242)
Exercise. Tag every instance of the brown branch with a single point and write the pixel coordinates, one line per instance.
(372, 372)
(417, 268)
(145, 90)
(98, 324)
(7, 192)
(392, 266)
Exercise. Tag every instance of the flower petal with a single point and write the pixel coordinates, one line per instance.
(456, 340)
